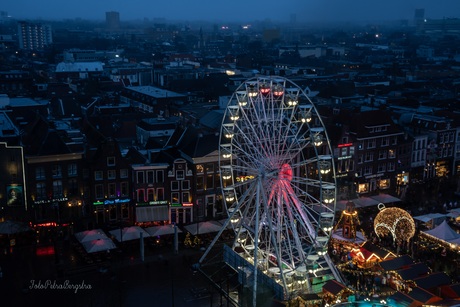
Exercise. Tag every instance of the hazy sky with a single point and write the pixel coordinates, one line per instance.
(233, 10)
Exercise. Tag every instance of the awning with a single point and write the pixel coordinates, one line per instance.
(151, 214)
(162, 230)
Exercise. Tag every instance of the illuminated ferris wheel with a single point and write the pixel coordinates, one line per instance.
(278, 181)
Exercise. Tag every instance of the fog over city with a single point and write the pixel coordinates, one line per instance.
(236, 10)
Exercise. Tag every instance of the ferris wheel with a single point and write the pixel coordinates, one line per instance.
(278, 180)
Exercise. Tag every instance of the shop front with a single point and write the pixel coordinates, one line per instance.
(152, 212)
(181, 213)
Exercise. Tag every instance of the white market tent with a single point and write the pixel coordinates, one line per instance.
(204, 227)
(443, 232)
(162, 230)
(129, 233)
(437, 218)
(90, 235)
(98, 245)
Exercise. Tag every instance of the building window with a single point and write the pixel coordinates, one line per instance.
(150, 176)
(160, 176)
(209, 182)
(391, 166)
(72, 170)
(160, 194)
(40, 173)
(113, 213)
(150, 194)
(385, 141)
(110, 161)
(369, 157)
(382, 154)
(112, 190)
(363, 188)
(124, 173)
(199, 169)
(124, 211)
(200, 183)
(98, 175)
(381, 168)
(175, 198)
(185, 197)
(73, 187)
(367, 170)
(174, 185)
(140, 177)
(57, 171)
(371, 143)
(41, 190)
(180, 175)
(186, 185)
(111, 174)
(123, 189)
(99, 189)
(391, 153)
(57, 188)
(209, 168)
(140, 195)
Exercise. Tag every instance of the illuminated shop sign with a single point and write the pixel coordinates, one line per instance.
(48, 201)
(153, 203)
(182, 205)
(345, 145)
(112, 201)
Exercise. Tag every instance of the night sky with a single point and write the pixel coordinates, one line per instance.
(233, 10)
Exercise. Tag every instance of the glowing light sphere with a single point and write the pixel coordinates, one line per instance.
(394, 221)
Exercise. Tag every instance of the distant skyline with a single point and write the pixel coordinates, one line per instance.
(235, 10)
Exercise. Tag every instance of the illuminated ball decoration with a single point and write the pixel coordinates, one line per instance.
(395, 222)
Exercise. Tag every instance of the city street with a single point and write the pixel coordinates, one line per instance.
(163, 279)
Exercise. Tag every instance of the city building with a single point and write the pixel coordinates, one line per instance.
(34, 36)
(112, 20)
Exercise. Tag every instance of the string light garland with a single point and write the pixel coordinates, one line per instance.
(395, 221)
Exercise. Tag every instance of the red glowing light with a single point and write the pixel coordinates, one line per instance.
(285, 172)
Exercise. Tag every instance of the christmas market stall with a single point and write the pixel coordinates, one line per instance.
(335, 292)
(415, 297)
(368, 254)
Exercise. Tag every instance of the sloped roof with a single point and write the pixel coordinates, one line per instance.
(443, 232)
(414, 271)
(396, 263)
(433, 280)
(334, 287)
(451, 291)
(40, 139)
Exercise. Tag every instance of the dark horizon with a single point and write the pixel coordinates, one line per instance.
(236, 11)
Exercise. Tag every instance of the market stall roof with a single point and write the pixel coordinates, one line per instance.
(396, 263)
(362, 202)
(385, 198)
(89, 235)
(162, 230)
(443, 232)
(414, 271)
(204, 227)
(99, 245)
(451, 291)
(415, 295)
(333, 287)
(380, 252)
(129, 233)
(428, 217)
(433, 280)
